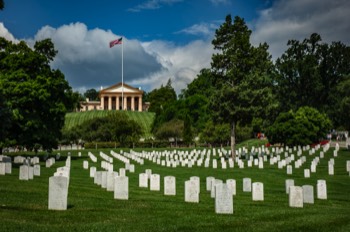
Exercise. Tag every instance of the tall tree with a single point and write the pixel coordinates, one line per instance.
(242, 76)
(310, 71)
(37, 96)
(91, 94)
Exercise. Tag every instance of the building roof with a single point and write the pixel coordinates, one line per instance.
(118, 88)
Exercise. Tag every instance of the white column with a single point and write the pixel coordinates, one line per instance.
(132, 103)
(117, 100)
(103, 103)
(109, 103)
(125, 102)
(140, 103)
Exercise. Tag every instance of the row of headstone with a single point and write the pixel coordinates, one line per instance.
(5, 168)
(298, 195)
(27, 172)
(50, 162)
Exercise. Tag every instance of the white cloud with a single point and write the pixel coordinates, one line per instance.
(6, 34)
(152, 5)
(180, 64)
(205, 29)
(298, 19)
(219, 2)
(87, 61)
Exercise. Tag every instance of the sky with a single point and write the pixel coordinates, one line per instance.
(162, 39)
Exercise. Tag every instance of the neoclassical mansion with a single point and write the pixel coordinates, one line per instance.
(114, 98)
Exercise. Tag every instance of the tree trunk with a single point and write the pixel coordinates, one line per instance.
(233, 140)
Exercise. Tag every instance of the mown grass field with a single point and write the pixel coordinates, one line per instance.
(24, 204)
(145, 119)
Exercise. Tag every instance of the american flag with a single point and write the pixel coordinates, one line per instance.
(115, 42)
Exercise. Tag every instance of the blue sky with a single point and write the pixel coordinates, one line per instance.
(162, 38)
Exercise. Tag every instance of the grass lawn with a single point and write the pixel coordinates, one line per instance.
(24, 204)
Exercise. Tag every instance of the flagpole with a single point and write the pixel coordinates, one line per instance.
(123, 75)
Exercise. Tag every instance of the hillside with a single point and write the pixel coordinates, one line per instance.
(145, 119)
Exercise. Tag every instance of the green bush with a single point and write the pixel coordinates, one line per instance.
(306, 126)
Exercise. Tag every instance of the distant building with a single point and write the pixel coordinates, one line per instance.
(114, 98)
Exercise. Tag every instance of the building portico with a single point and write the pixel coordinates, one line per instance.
(117, 97)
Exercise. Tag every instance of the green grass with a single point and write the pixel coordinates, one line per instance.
(23, 204)
(145, 119)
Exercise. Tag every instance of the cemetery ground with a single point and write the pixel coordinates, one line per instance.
(24, 204)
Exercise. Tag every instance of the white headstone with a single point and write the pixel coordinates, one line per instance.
(132, 168)
(170, 185)
(110, 181)
(330, 169)
(37, 170)
(191, 191)
(121, 188)
(213, 185)
(24, 172)
(197, 181)
(58, 192)
(2, 169)
(143, 180)
(223, 199)
(307, 173)
(289, 169)
(258, 191)
(247, 185)
(148, 172)
(98, 178)
(92, 171)
(155, 182)
(121, 171)
(104, 179)
(86, 164)
(296, 196)
(8, 168)
(308, 194)
(231, 184)
(348, 165)
(209, 180)
(289, 182)
(30, 172)
(321, 189)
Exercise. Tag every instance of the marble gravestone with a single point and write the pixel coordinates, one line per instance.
(296, 196)
(289, 182)
(308, 194)
(209, 180)
(247, 185)
(231, 184)
(321, 189)
(258, 191)
(121, 188)
(191, 193)
(155, 182)
(143, 180)
(223, 199)
(170, 185)
(58, 193)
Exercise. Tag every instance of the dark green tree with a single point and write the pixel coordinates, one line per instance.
(116, 127)
(187, 132)
(91, 94)
(170, 130)
(242, 77)
(37, 96)
(303, 127)
(310, 71)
